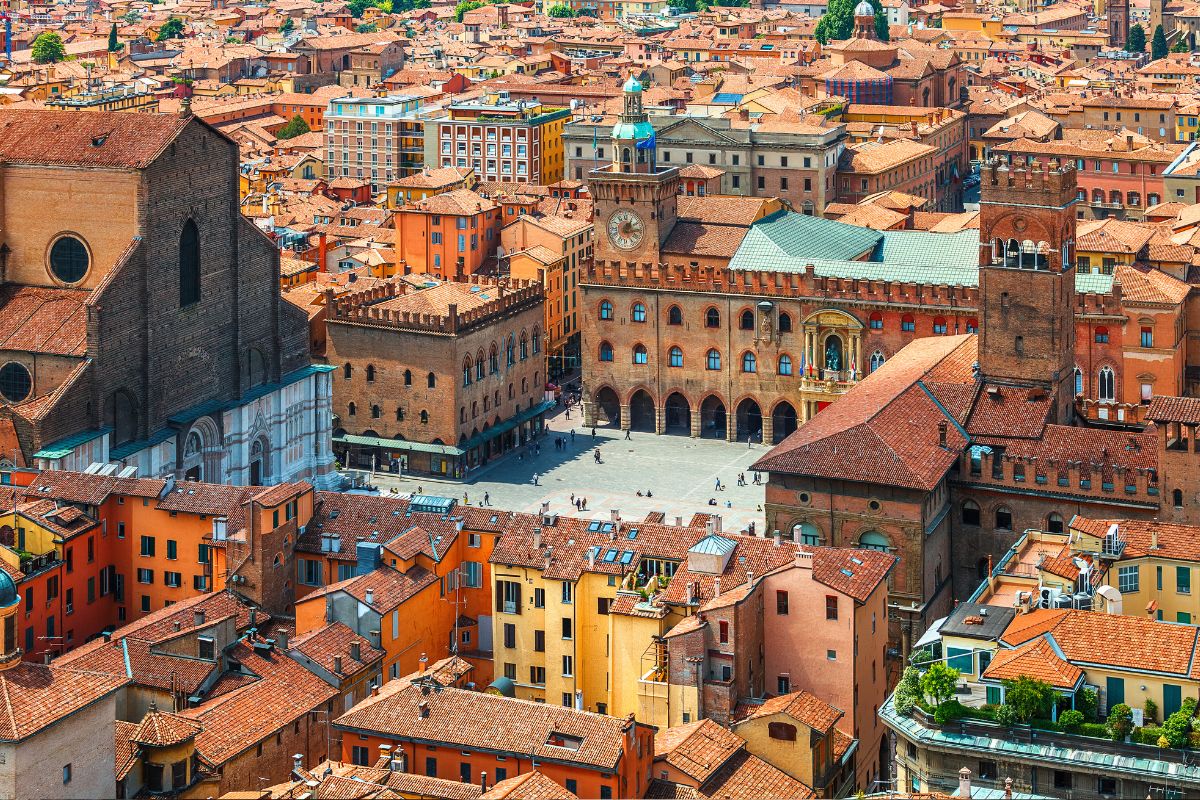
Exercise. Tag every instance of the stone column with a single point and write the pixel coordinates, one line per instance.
(589, 414)
(694, 421)
(768, 429)
(730, 425)
(625, 416)
(856, 350)
(660, 420)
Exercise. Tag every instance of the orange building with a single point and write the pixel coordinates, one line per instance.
(438, 734)
(450, 235)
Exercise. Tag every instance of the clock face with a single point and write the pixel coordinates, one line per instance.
(625, 229)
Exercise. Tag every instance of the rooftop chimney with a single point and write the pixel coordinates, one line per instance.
(298, 761)
(423, 707)
(198, 618)
(717, 586)
(483, 781)
(337, 664)
(942, 426)
(964, 782)
(1154, 539)
(778, 538)
(356, 651)
(370, 596)
(537, 538)
(281, 637)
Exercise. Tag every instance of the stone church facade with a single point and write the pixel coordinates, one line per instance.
(142, 322)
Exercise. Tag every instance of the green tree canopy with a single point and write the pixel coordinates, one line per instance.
(1030, 698)
(1120, 721)
(113, 43)
(560, 10)
(294, 127)
(838, 21)
(48, 48)
(1181, 46)
(465, 6)
(366, 27)
(171, 29)
(938, 682)
(1136, 43)
(1158, 45)
(288, 25)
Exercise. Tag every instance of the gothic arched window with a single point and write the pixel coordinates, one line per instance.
(189, 265)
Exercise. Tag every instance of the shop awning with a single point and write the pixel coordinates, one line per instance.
(398, 444)
(508, 424)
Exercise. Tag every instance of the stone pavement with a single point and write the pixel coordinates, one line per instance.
(679, 471)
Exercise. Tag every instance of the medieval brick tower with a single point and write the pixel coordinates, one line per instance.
(635, 199)
(1027, 278)
(1118, 22)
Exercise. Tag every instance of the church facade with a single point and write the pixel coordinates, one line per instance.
(142, 322)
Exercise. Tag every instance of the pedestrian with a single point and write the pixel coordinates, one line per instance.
(572, 436)
(585, 504)
(593, 434)
(420, 490)
(573, 500)
(717, 485)
(535, 479)
(487, 499)
(466, 500)
(568, 412)
(627, 437)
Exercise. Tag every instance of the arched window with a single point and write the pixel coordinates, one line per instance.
(875, 321)
(712, 318)
(785, 364)
(639, 312)
(746, 321)
(1004, 520)
(806, 533)
(479, 372)
(347, 370)
(467, 371)
(874, 540)
(908, 323)
(189, 265)
(749, 362)
(972, 325)
(606, 310)
(408, 377)
(675, 357)
(400, 414)
(376, 413)
(524, 346)
(970, 513)
(424, 417)
(1114, 197)
(494, 360)
(785, 322)
(1101, 334)
(510, 351)
(939, 325)
(1177, 498)
(431, 381)
(674, 316)
(1107, 388)
(487, 404)
(351, 409)
(606, 351)
(537, 341)
(1078, 382)
(370, 373)
(640, 356)
(713, 361)
(462, 415)
(1054, 522)
(876, 360)
(1097, 195)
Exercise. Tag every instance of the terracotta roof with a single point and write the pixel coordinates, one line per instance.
(125, 752)
(382, 589)
(545, 731)
(528, 786)
(747, 777)
(36, 696)
(1150, 286)
(804, 707)
(163, 729)
(101, 139)
(333, 641)
(1035, 659)
(43, 320)
(1174, 409)
(697, 749)
(694, 238)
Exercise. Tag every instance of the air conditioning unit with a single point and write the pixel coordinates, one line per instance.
(1048, 596)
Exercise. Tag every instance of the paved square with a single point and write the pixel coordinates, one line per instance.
(679, 472)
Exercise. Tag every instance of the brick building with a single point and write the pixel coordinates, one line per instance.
(436, 378)
(143, 324)
(988, 445)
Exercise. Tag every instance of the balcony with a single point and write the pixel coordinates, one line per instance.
(1111, 413)
(828, 381)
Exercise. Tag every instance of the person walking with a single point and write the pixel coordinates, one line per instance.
(535, 479)
(572, 436)
(717, 485)
(466, 500)
(627, 437)
(593, 434)
(487, 499)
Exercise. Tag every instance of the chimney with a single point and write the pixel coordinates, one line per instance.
(370, 596)
(964, 782)
(368, 555)
(942, 427)
(678, 521)
(483, 781)
(591, 558)
(1154, 539)
(614, 515)
(423, 708)
(197, 618)
(298, 761)
(356, 651)
(537, 538)
(778, 538)
(717, 586)
(337, 664)
(749, 576)
(1129, 142)
(281, 638)
(690, 596)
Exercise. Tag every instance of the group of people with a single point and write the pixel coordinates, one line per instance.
(580, 503)
(742, 479)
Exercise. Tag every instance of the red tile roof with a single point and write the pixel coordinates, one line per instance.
(697, 749)
(43, 320)
(101, 139)
(804, 707)
(529, 786)
(36, 696)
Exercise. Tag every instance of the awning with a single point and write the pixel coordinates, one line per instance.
(508, 424)
(932, 633)
(398, 444)
(64, 447)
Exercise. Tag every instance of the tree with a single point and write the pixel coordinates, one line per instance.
(465, 6)
(1087, 701)
(938, 683)
(1120, 721)
(1029, 698)
(293, 128)
(357, 7)
(1177, 728)
(1181, 46)
(1158, 45)
(367, 27)
(171, 29)
(113, 44)
(1136, 42)
(1070, 720)
(48, 48)
(288, 25)
(908, 691)
(560, 10)
(838, 21)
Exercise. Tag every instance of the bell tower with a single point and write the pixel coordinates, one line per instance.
(634, 198)
(1027, 278)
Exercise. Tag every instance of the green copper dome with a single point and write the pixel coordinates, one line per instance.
(632, 85)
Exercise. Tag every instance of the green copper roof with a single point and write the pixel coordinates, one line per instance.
(789, 242)
(638, 131)
(632, 85)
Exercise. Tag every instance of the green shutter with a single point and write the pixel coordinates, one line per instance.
(1172, 699)
(1183, 580)
(960, 659)
(1115, 692)
(1184, 617)
(993, 695)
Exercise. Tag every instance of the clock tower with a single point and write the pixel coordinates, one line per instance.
(635, 199)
